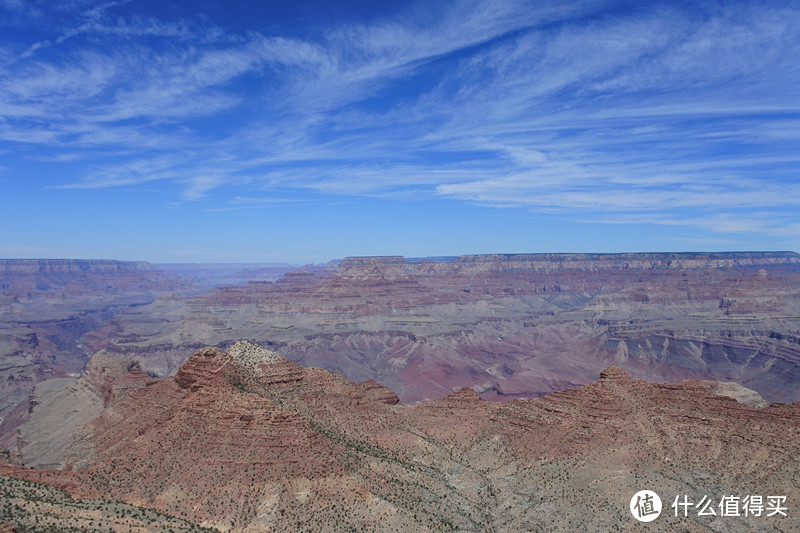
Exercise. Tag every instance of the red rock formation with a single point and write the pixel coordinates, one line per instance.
(37, 432)
(515, 325)
(525, 325)
(245, 440)
(47, 305)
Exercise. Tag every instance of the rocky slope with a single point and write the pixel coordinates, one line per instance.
(37, 431)
(54, 311)
(27, 506)
(507, 325)
(245, 440)
(48, 305)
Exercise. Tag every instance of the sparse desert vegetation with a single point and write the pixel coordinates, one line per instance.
(248, 441)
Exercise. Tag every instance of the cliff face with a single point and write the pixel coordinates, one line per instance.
(37, 431)
(553, 262)
(507, 325)
(21, 276)
(48, 305)
(529, 324)
(53, 266)
(244, 440)
(372, 284)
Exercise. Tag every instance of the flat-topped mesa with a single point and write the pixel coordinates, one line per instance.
(44, 266)
(390, 267)
(647, 260)
(373, 260)
(397, 266)
(627, 255)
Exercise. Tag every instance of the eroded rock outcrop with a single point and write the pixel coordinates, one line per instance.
(508, 325)
(244, 440)
(38, 432)
(519, 325)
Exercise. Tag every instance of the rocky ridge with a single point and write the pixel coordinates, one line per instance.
(528, 324)
(507, 325)
(37, 432)
(224, 446)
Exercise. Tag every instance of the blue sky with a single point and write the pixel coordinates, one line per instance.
(305, 131)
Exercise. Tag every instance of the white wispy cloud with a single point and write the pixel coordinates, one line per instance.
(553, 107)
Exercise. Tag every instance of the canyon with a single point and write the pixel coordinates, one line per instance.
(393, 393)
(246, 440)
(507, 325)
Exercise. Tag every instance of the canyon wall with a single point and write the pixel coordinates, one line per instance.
(246, 440)
(508, 325)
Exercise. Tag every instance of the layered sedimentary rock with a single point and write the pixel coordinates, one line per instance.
(507, 325)
(54, 313)
(249, 440)
(19, 277)
(47, 306)
(244, 440)
(37, 431)
(51, 267)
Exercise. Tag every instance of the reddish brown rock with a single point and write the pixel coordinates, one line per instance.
(375, 392)
(615, 374)
(244, 440)
(524, 325)
(38, 431)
